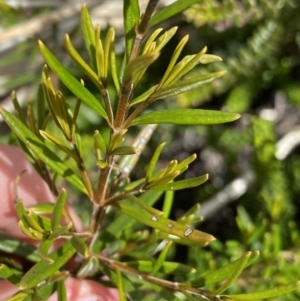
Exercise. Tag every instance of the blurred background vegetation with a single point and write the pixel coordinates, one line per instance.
(252, 200)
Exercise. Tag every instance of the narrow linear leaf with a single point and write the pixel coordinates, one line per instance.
(58, 143)
(71, 82)
(186, 85)
(153, 161)
(183, 184)
(88, 33)
(62, 230)
(271, 293)
(161, 258)
(11, 245)
(99, 53)
(20, 296)
(143, 96)
(58, 210)
(8, 274)
(174, 58)
(167, 267)
(242, 262)
(79, 61)
(79, 244)
(113, 64)
(43, 270)
(171, 10)
(139, 64)
(61, 291)
(168, 203)
(163, 224)
(44, 248)
(124, 150)
(145, 206)
(150, 40)
(186, 117)
(41, 150)
(120, 284)
(165, 38)
(209, 58)
(131, 16)
(115, 229)
(109, 39)
(88, 268)
(221, 273)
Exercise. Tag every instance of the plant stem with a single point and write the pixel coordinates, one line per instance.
(84, 175)
(173, 286)
(108, 107)
(142, 28)
(127, 86)
(125, 94)
(138, 110)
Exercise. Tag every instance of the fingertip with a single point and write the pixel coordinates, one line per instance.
(87, 290)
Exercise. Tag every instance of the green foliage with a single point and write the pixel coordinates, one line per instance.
(136, 238)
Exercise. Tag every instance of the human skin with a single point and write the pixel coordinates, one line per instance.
(32, 189)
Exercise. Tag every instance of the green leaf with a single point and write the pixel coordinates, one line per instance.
(122, 295)
(41, 150)
(79, 244)
(113, 64)
(131, 17)
(61, 291)
(58, 210)
(58, 143)
(144, 205)
(222, 273)
(139, 65)
(164, 225)
(44, 248)
(8, 274)
(124, 150)
(186, 85)
(88, 34)
(165, 38)
(153, 161)
(161, 258)
(183, 184)
(20, 296)
(186, 117)
(14, 246)
(174, 58)
(168, 203)
(171, 10)
(209, 58)
(270, 293)
(43, 270)
(99, 142)
(79, 61)
(115, 229)
(143, 96)
(242, 262)
(89, 267)
(71, 82)
(167, 267)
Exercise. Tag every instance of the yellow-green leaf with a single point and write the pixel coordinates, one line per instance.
(183, 184)
(41, 150)
(58, 210)
(270, 293)
(8, 274)
(71, 82)
(186, 117)
(43, 270)
(164, 224)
